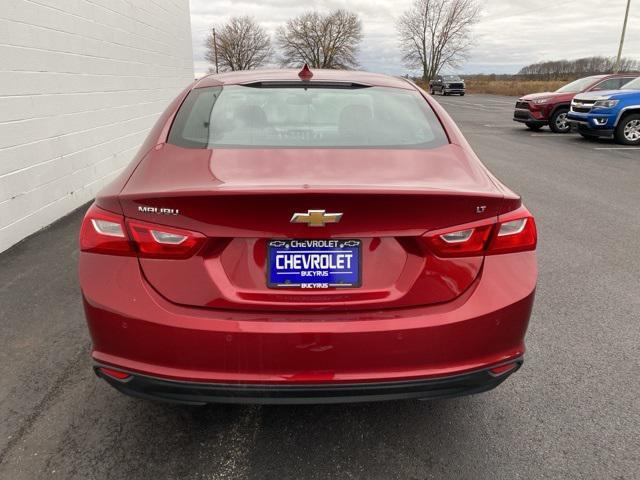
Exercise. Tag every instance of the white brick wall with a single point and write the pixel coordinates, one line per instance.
(81, 83)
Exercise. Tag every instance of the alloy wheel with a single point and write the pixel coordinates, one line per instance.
(632, 131)
(561, 122)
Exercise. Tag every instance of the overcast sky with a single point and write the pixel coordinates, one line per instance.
(509, 35)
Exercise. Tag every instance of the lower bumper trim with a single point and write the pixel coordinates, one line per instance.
(524, 116)
(196, 393)
(586, 129)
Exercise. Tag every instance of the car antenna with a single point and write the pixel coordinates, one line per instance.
(306, 73)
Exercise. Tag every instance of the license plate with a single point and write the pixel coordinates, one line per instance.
(331, 263)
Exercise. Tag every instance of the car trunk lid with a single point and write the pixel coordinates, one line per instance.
(243, 198)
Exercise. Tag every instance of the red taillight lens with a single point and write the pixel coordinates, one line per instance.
(160, 241)
(464, 242)
(513, 232)
(104, 232)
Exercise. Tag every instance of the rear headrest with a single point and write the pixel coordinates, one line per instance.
(252, 116)
(354, 119)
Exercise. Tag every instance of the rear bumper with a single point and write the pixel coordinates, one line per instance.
(136, 330)
(195, 393)
(453, 90)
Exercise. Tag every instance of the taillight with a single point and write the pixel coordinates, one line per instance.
(104, 232)
(515, 232)
(460, 243)
(160, 241)
(108, 233)
(512, 232)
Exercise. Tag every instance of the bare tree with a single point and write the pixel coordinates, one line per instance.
(321, 41)
(242, 45)
(436, 33)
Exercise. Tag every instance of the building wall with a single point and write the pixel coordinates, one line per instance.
(81, 83)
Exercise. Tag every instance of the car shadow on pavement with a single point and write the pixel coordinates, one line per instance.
(402, 439)
(103, 434)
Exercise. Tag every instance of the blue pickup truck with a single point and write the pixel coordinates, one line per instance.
(610, 114)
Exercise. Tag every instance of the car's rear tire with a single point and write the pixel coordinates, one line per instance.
(462, 94)
(628, 130)
(558, 121)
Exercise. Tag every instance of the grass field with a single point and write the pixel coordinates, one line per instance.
(514, 88)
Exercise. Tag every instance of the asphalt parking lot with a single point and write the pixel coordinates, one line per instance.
(573, 411)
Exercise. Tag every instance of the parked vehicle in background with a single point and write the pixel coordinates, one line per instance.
(447, 85)
(609, 114)
(551, 108)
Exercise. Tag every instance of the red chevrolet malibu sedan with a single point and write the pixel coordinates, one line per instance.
(324, 236)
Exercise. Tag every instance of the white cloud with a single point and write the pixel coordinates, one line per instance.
(510, 33)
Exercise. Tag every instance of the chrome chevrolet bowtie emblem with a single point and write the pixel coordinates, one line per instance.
(316, 218)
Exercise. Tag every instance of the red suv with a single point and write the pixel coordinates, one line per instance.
(550, 108)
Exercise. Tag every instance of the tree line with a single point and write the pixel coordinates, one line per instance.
(432, 34)
(560, 69)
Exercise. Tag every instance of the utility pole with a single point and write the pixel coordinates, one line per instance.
(624, 31)
(215, 49)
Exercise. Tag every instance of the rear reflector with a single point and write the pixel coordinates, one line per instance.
(117, 374)
(512, 232)
(502, 369)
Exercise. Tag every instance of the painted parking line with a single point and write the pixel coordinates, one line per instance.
(616, 148)
(563, 137)
(501, 102)
(473, 106)
(483, 105)
(465, 106)
(549, 135)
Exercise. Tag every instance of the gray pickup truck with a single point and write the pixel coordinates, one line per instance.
(447, 85)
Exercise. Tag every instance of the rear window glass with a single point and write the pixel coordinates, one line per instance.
(238, 116)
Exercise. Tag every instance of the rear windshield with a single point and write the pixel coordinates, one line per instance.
(452, 78)
(238, 116)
